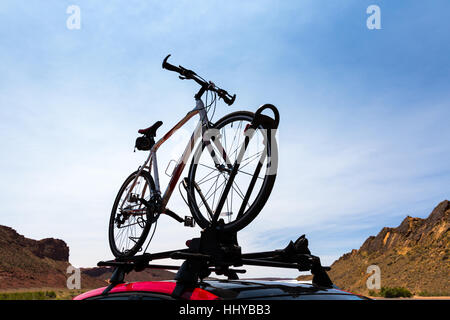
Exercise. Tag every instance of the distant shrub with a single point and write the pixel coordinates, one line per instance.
(433, 294)
(32, 295)
(373, 293)
(397, 292)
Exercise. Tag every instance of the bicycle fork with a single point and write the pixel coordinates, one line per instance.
(259, 119)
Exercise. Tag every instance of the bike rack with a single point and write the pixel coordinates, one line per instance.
(266, 121)
(218, 251)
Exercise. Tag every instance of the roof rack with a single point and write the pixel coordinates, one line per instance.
(218, 251)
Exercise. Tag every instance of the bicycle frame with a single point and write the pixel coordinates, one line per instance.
(151, 160)
(201, 130)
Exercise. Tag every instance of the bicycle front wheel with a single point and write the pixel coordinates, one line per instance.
(131, 220)
(252, 183)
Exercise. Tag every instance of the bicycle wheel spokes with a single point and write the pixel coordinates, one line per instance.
(130, 223)
(245, 155)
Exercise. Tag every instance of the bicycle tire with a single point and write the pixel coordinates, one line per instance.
(138, 244)
(260, 199)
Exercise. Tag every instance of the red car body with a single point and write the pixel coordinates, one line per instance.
(162, 287)
(221, 290)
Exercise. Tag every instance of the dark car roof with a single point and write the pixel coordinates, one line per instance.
(255, 289)
(232, 290)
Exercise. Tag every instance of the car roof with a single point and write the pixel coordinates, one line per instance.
(225, 289)
(253, 289)
(161, 287)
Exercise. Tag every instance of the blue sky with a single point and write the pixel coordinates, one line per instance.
(363, 136)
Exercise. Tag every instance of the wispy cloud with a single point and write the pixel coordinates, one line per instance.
(363, 134)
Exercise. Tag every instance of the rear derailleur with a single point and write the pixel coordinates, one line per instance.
(152, 210)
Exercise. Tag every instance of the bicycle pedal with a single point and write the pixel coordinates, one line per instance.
(134, 198)
(189, 221)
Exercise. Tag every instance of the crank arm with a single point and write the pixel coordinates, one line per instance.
(134, 211)
(168, 212)
(144, 202)
(173, 215)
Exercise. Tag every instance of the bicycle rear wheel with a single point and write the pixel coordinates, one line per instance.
(252, 184)
(130, 220)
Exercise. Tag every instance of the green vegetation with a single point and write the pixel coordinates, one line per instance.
(41, 295)
(386, 292)
(433, 294)
(396, 292)
(33, 295)
(373, 293)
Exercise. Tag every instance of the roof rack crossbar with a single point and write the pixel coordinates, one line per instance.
(216, 251)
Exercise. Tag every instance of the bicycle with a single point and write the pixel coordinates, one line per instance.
(217, 174)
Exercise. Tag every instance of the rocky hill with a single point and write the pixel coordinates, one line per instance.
(414, 255)
(27, 263)
(98, 276)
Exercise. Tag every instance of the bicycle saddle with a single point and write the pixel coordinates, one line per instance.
(151, 131)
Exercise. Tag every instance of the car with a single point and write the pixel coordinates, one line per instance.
(222, 290)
